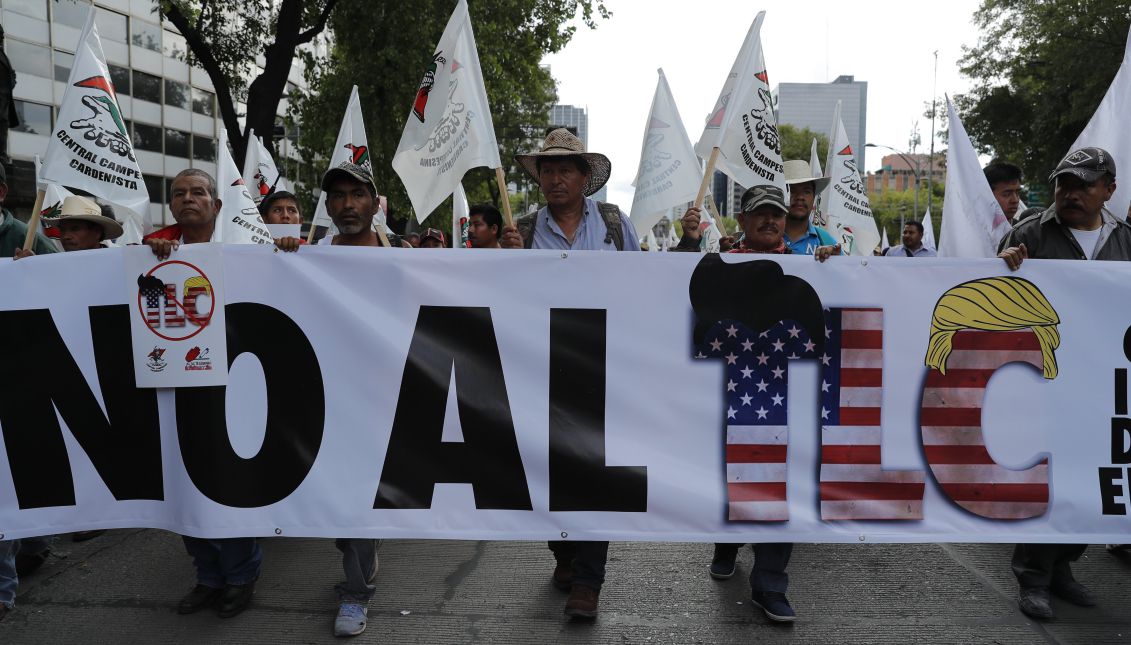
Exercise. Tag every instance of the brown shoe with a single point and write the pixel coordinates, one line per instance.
(582, 602)
(563, 577)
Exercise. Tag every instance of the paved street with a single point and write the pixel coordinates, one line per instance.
(123, 588)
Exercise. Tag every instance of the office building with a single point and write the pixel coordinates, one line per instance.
(576, 119)
(811, 105)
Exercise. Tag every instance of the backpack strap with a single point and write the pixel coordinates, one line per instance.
(615, 229)
(525, 226)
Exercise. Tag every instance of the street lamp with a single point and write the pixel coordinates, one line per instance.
(917, 169)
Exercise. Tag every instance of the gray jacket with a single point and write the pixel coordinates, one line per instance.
(1046, 238)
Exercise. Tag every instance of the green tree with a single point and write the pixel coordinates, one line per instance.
(385, 48)
(1040, 69)
(891, 205)
(222, 39)
(796, 143)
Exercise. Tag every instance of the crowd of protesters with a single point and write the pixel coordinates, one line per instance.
(1075, 226)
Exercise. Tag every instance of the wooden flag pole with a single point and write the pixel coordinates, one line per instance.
(501, 178)
(310, 233)
(708, 174)
(381, 232)
(33, 221)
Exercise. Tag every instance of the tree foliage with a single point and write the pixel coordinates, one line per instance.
(1040, 69)
(796, 143)
(384, 49)
(223, 39)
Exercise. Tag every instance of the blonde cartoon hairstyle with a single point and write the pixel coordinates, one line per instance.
(993, 304)
(198, 281)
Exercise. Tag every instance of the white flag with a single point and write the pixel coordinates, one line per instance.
(133, 224)
(260, 174)
(928, 231)
(743, 124)
(1108, 130)
(673, 237)
(849, 214)
(972, 220)
(884, 245)
(669, 172)
(90, 147)
(460, 218)
(815, 162)
(351, 146)
(449, 128)
(650, 240)
(239, 221)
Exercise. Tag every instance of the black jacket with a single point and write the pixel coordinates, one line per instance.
(1046, 238)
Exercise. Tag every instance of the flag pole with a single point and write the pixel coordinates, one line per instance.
(310, 233)
(708, 173)
(33, 221)
(501, 179)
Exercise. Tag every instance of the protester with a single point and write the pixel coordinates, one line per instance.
(568, 175)
(1075, 227)
(13, 231)
(484, 226)
(82, 226)
(912, 246)
(226, 568)
(280, 207)
(1005, 182)
(432, 239)
(801, 235)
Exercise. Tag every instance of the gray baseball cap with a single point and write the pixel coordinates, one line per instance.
(1089, 164)
(349, 170)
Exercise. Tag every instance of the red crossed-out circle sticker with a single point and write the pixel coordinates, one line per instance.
(168, 299)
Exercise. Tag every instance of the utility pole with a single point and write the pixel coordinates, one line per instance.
(931, 160)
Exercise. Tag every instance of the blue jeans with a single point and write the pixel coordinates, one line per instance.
(9, 581)
(586, 558)
(226, 561)
(359, 564)
(770, 561)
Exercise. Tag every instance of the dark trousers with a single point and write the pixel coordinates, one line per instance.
(1037, 565)
(226, 561)
(770, 561)
(586, 558)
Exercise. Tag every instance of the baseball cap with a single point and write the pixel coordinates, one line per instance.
(1089, 164)
(762, 196)
(435, 234)
(349, 170)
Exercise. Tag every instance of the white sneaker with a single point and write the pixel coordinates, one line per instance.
(351, 619)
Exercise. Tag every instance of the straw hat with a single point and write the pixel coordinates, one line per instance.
(563, 143)
(77, 207)
(798, 172)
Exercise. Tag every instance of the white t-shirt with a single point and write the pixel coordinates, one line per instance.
(1088, 241)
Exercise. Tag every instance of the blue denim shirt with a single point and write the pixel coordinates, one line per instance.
(590, 234)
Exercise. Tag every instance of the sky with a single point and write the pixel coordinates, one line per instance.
(611, 71)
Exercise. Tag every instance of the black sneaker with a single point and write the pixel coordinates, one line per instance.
(775, 604)
(199, 598)
(28, 563)
(4, 611)
(235, 599)
(722, 563)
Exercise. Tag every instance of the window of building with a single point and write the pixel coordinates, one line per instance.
(148, 137)
(202, 102)
(70, 12)
(203, 148)
(155, 186)
(175, 46)
(28, 58)
(35, 118)
(120, 77)
(33, 8)
(63, 63)
(144, 34)
(176, 94)
(176, 143)
(111, 25)
(146, 87)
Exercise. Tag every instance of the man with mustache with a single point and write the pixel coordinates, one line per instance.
(1075, 227)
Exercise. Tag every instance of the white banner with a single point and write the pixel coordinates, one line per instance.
(177, 317)
(743, 124)
(449, 128)
(733, 398)
(669, 173)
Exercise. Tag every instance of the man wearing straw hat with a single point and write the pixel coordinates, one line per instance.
(568, 175)
(801, 235)
(570, 221)
(83, 226)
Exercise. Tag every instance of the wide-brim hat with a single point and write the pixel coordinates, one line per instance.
(85, 209)
(799, 172)
(562, 143)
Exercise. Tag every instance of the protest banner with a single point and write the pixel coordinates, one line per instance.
(972, 220)
(449, 128)
(856, 400)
